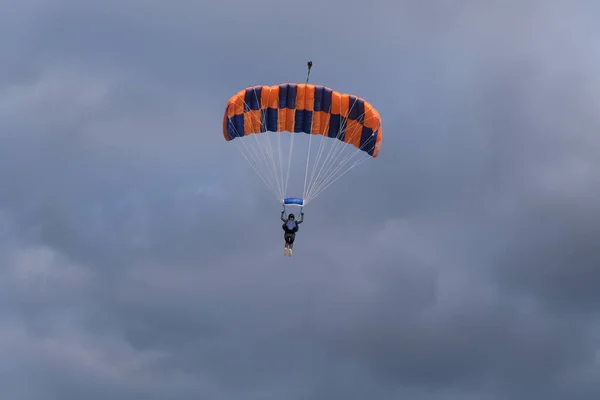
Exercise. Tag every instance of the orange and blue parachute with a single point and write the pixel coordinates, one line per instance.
(349, 129)
(304, 108)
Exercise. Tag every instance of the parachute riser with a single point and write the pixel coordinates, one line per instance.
(285, 211)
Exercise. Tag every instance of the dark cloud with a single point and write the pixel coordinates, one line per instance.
(141, 256)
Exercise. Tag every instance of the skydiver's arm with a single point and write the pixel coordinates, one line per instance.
(282, 219)
(301, 218)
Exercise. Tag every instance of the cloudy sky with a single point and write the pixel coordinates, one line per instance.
(141, 257)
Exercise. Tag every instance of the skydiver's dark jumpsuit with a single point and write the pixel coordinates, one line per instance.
(290, 234)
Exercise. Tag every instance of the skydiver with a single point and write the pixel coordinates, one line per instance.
(290, 227)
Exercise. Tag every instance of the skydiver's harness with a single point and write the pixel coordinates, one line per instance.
(290, 231)
(290, 226)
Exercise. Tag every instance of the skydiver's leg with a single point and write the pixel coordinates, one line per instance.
(287, 249)
(289, 241)
(291, 245)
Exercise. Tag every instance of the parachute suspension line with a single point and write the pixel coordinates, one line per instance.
(336, 150)
(330, 158)
(280, 152)
(320, 151)
(260, 167)
(304, 193)
(333, 145)
(255, 162)
(355, 164)
(271, 175)
(333, 176)
(330, 175)
(260, 175)
(287, 179)
(280, 161)
(346, 158)
(254, 167)
(265, 152)
(259, 153)
(269, 149)
(327, 162)
(337, 174)
(316, 163)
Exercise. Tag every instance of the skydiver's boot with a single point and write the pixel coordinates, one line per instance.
(290, 252)
(285, 250)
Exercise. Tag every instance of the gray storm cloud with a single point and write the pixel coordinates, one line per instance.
(141, 256)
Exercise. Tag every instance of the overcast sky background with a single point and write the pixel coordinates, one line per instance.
(464, 264)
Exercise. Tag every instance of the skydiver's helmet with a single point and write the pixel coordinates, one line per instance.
(291, 217)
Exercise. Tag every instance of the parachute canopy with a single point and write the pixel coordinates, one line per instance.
(346, 124)
(304, 108)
